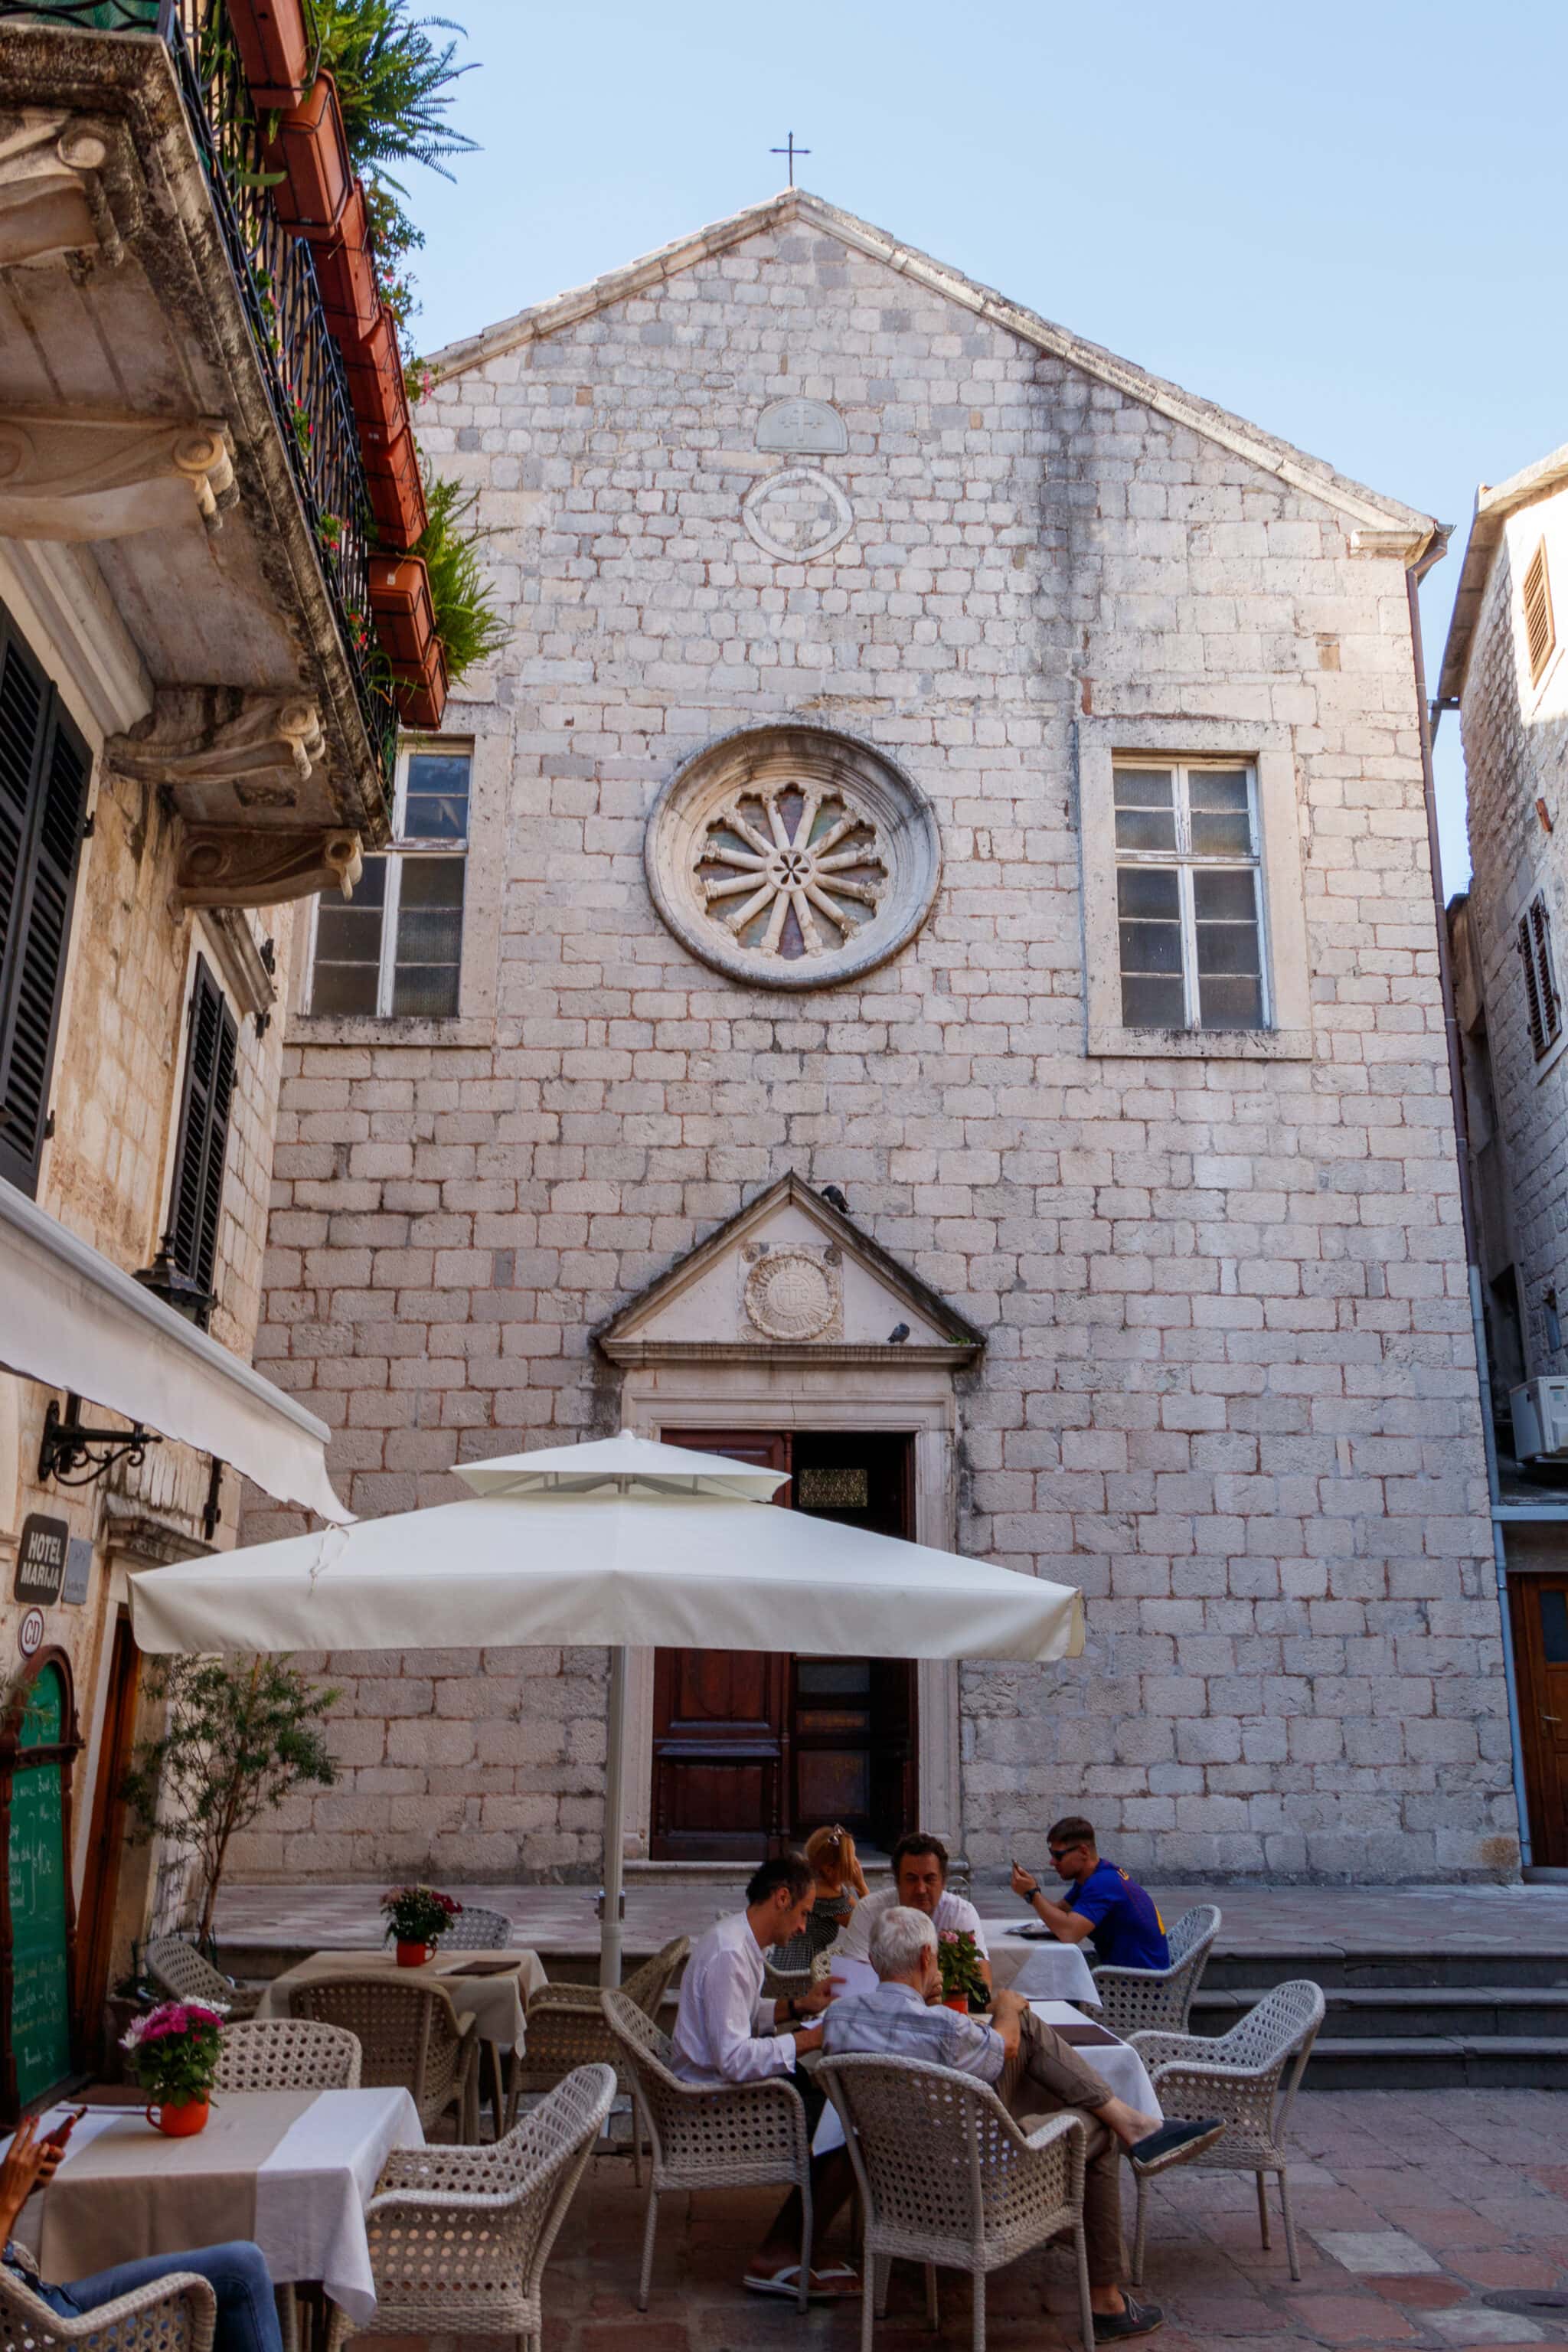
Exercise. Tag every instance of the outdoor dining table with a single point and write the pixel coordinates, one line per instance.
(495, 1987)
(1038, 1967)
(293, 2169)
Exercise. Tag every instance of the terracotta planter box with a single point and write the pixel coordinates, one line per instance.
(274, 48)
(421, 693)
(391, 476)
(404, 616)
(345, 270)
(373, 365)
(310, 151)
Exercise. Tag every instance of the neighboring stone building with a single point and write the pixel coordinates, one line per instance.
(1504, 671)
(938, 764)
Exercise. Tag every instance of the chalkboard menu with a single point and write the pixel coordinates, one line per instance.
(39, 2021)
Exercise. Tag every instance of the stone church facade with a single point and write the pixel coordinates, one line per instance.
(949, 992)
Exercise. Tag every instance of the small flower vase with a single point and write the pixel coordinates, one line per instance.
(179, 2118)
(413, 1956)
(959, 2001)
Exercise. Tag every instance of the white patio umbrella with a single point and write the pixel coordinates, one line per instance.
(619, 1541)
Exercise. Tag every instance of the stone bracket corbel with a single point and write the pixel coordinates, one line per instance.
(74, 475)
(201, 739)
(56, 201)
(223, 866)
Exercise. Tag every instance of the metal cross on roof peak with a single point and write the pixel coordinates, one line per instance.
(791, 150)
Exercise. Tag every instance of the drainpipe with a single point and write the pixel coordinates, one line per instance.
(1413, 576)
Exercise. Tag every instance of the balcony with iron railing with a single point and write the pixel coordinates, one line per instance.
(272, 286)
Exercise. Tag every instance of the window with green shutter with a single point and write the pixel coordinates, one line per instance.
(195, 1204)
(45, 768)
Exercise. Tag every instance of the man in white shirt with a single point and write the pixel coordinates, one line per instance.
(725, 2032)
(919, 1884)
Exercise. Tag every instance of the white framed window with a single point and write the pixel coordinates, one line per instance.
(395, 949)
(1189, 899)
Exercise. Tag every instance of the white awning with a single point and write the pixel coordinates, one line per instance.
(72, 1320)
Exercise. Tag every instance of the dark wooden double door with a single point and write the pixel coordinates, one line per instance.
(1540, 1607)
(751, 1749)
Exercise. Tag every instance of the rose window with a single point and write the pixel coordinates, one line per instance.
(792, 858)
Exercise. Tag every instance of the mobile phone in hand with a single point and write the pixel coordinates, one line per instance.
(63, 2130)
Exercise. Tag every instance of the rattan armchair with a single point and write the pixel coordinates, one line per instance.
(782, 1983)
(949, 2181)
(408, 2034)
(460, 2236)
(566, 2028)
(287, 2053)
(1241, 2076)
(717, 2135)
(477, 1931)
(1132, 2000)
(176, 2314)
(185, 1975)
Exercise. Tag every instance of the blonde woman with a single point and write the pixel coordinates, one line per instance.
(840, 1883)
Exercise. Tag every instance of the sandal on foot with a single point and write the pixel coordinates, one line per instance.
(836, 2284)
(1173, 2143)
(1133, 2319)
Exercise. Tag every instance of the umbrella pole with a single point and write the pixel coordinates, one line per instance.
(615, 1832)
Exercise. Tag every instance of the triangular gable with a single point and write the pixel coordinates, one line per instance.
(1381, 526)
(789, 1279)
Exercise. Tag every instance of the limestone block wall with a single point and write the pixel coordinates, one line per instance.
(1228, 1387)
(1516, 753)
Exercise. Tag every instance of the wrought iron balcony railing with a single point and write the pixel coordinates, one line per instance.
(275, 273)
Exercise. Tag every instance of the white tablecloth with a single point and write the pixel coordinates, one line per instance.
(1039, 1971)
(499, 2003)
(310, 2190)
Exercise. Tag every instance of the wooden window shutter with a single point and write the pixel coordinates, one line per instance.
(1540, 630)
(1545, 979)
(45, 767)
(196, 1201)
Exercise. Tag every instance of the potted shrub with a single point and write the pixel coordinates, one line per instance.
(467, 623)
(345, 269)
(404, 616)
(308, 147)
(174, 2055)
(417, 1916)
(274, 47)
(963, 1986)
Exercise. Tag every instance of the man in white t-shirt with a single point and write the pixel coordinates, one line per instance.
(919, 1884)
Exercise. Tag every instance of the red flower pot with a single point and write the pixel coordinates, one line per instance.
(180, 2118)
(959, 2001)
(373, 365)
(391, 476)
(421, 693)
(404, 616)
(413, 1956)
(345, 269)
(311, 152)
(274, 48)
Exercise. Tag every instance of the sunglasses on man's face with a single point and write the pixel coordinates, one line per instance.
(1060, 1853)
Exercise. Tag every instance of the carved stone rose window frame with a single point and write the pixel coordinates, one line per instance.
(791, 856)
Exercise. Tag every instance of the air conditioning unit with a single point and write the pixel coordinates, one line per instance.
(1540, 1411)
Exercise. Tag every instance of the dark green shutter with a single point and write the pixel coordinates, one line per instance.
(44, 770)
(197, 1198)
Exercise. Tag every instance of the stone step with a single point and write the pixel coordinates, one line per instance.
(1416, 2012)
(1339, 1968)
(1443, 2062)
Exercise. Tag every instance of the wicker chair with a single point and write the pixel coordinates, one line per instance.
(408, 2034)
(477, 1931)
(724, 2136)
(287, 2053)
(176, 2314)
(1239, 2076)
(1133, 2001)
(566, 2028)
(948, 2180)
(184, 1974)
(460, 2236)
(785, 1983)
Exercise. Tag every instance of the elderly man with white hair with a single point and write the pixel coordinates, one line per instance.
(1037, 2075)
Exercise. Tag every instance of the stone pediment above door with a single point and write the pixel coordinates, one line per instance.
(789, 1279)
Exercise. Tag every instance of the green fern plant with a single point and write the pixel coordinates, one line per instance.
(466, 621)
(394, 83)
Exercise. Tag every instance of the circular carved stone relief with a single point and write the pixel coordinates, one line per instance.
(792, 858)
(790, 1296)
(797, 515)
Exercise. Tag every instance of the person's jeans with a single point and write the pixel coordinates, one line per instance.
(1047, 2075)
(237, 2274)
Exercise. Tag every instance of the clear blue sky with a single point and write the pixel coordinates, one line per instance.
(1345, 223)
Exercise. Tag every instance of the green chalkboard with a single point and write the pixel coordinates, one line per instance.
(40, 1981)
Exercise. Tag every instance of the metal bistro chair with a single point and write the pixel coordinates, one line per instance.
(566, 2028)
(477, 1931)
(723, 2135)
(185, 1975)
(1159, 1999)
(408, 2034)
(1238, 2076)
(949, 2181)
(460, 2236)
(287, 2053)
(176, 2314)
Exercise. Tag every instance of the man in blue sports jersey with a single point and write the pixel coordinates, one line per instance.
(1105, 1905)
